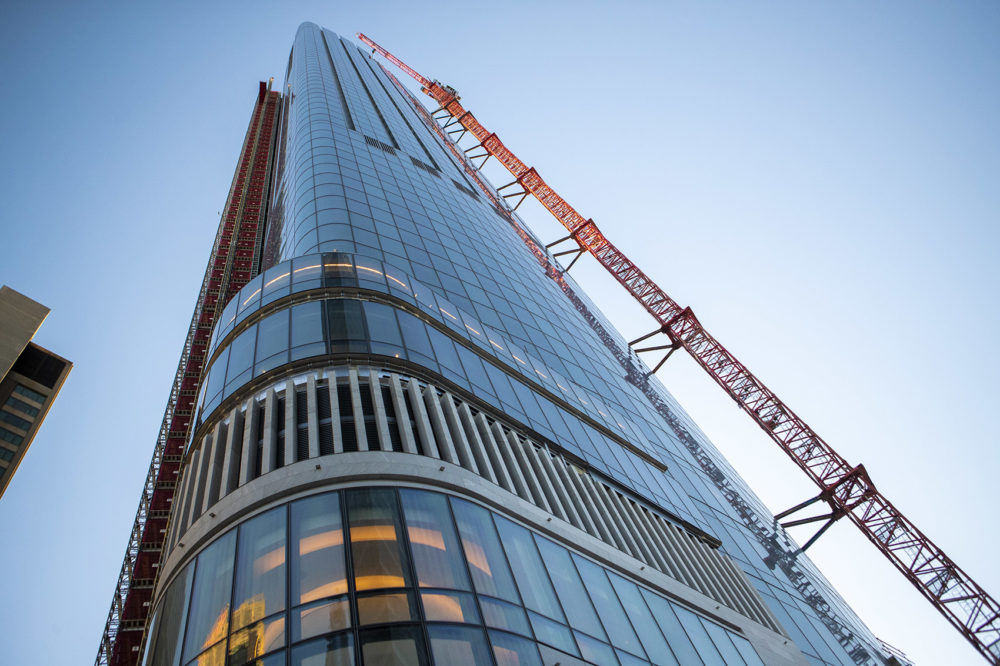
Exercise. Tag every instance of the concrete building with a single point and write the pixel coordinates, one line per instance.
(30, 379)
(416, 441)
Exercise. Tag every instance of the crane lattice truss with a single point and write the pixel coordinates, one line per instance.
(235, 259)
(846, 489)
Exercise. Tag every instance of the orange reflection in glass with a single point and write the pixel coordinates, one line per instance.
(331, 589)
(426, 537)
(375, 582)
(280, 277)
(476, 556)
(214, 657)
(329, 539)
(373, 533)
(441, 607)
(251, 296)
(269, 561)
(219, 627)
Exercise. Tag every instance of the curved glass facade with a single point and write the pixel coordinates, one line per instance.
(443, 339)
(382, 254)
(406, 576)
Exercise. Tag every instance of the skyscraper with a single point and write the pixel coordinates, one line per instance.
(405, 436)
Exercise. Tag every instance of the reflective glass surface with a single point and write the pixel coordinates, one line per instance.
(367, 197)
(397, 543)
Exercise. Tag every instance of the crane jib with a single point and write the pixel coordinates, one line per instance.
(846, 488)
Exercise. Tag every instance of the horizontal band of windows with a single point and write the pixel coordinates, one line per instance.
(385, 328)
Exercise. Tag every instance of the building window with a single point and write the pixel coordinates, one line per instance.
(405, 576)
(8, 436)
(15, 421)
(21, 406)
(29, 394)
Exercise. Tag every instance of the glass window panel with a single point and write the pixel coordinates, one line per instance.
(273, 334)
(307, 323)
(305, 351)
(415, 334)
(627, 659)
(321, 618)
(503, 615)
(487, 562)
(566, 580)
(746, 650)
(260, 572)
(370, 274)
(345, 320)
(532, 580)
(208, 618)
(214, 656)
(730, 655)
(376, 540)
(249, 296)
(241, 353)
(459, 645)
(338, 270)
(263, 365)
(449, 607)
(335, 650)
(608, 607)
(217, 375)
(399, 282)
(382, 325)
(649, 634)
(147, 647)
(553, 633)
(276, 282)
(276, 659)
(511, 650)
(444, 351)
(554, 657)
(450, 315)
(393, 646)
(696, 632)
(173, 610)
(226, 319)
(424, 297)
(383, 608)
(317, 567)
(256, 640)
(433, 542)
(595, 651)
(672, 630)
(307, 272)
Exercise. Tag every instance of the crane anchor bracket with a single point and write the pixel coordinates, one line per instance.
(842, 497)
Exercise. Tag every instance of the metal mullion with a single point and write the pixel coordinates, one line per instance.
(349, 572)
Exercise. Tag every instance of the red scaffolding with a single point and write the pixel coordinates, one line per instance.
(235, 258)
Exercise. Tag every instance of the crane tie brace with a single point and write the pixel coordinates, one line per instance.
(847, 489)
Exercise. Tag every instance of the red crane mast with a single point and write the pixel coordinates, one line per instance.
(846, 489)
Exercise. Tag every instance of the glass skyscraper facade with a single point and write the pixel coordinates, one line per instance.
(416, 441)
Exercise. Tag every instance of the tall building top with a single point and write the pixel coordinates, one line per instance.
(29, 382)
(20, 318)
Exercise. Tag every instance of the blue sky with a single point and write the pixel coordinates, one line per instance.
(817, 180)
